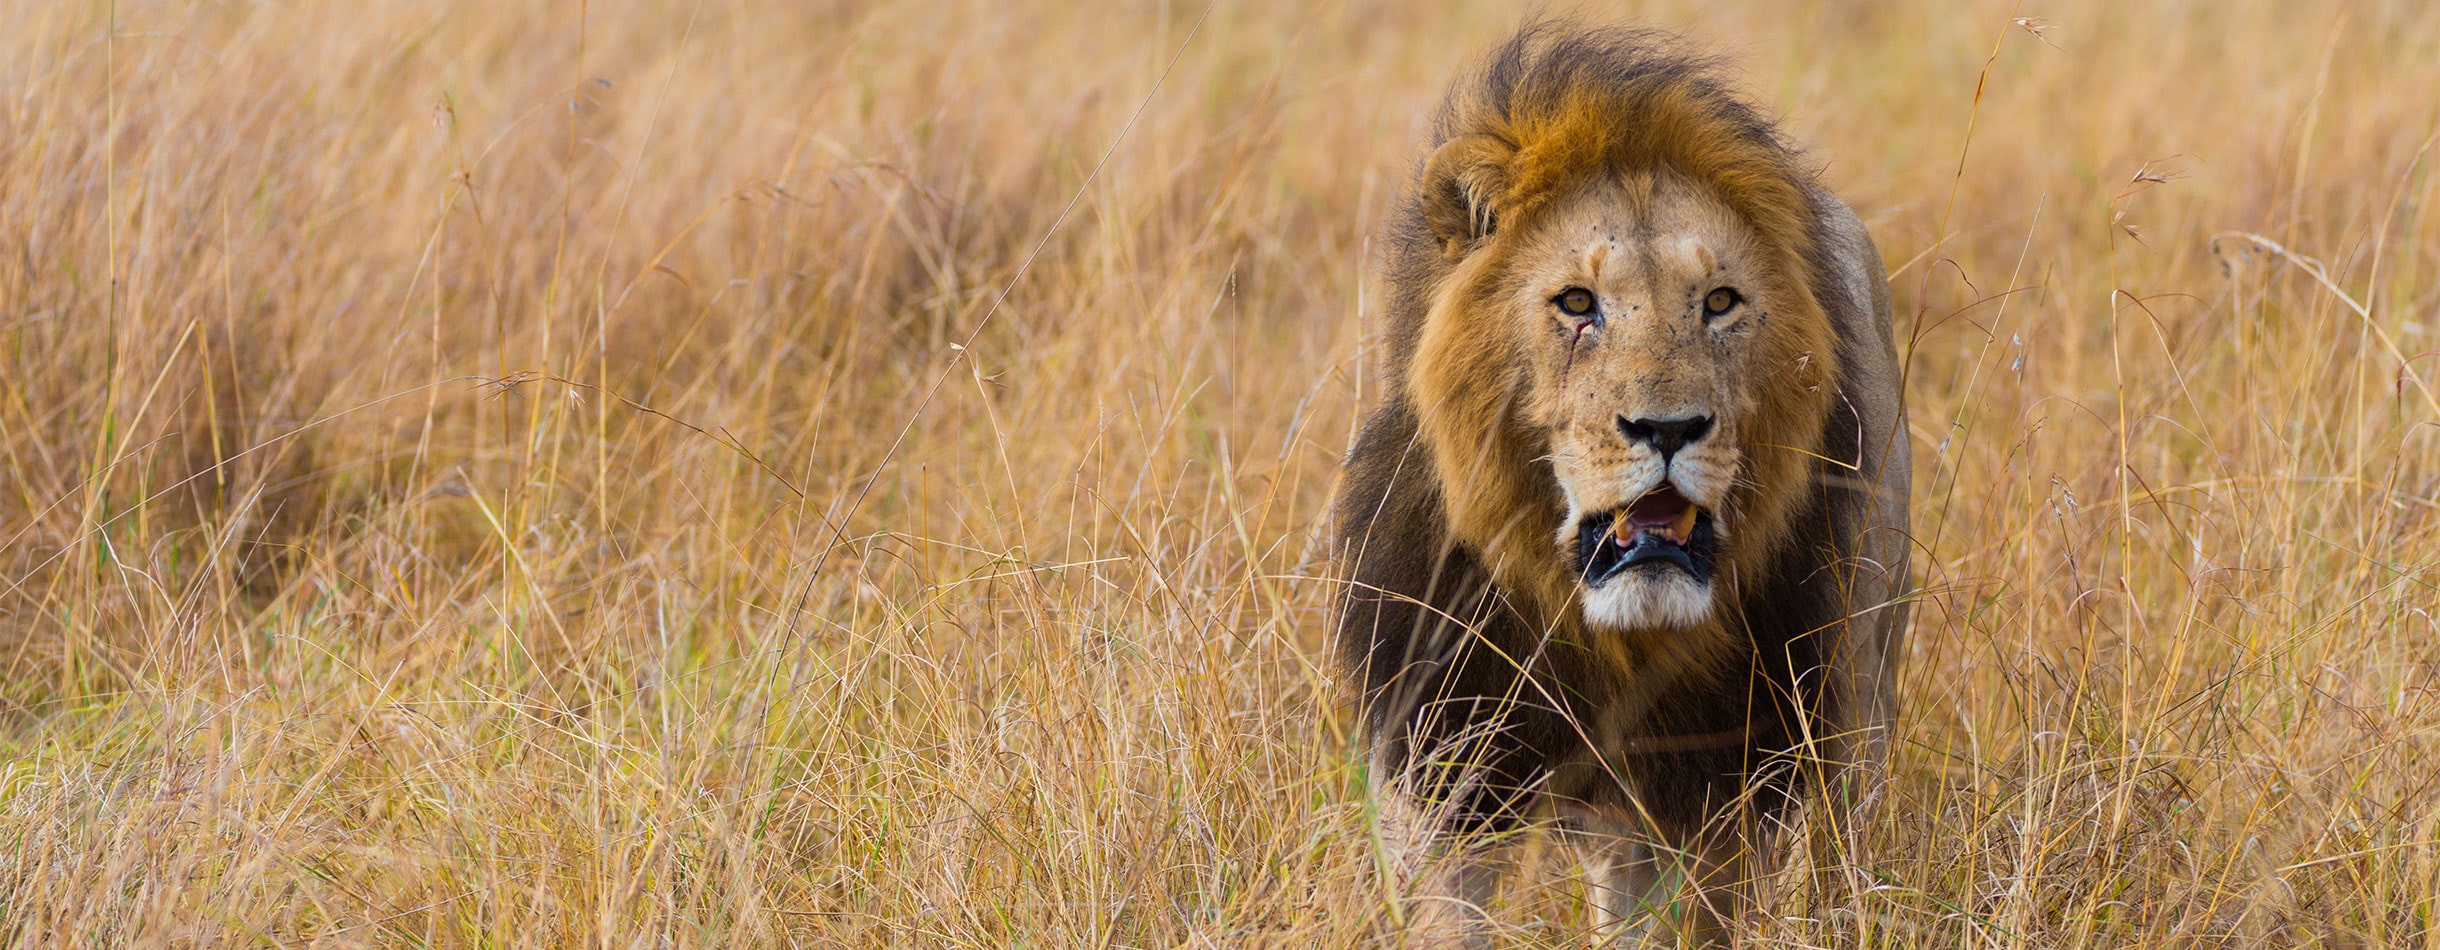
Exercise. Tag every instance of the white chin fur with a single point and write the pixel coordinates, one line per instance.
(1632, 601)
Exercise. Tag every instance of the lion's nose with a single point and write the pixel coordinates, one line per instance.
(1665, 436)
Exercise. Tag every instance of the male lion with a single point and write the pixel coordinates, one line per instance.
(1626, 536)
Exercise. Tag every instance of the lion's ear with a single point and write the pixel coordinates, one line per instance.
(1463, 186)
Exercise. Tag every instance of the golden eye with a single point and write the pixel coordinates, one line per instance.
(1575, 302)
(1719, 301)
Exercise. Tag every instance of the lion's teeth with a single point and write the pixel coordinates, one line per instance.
(1683, 527)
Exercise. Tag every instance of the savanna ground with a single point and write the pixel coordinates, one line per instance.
(744, 473)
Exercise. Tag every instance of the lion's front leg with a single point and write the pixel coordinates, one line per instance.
(1438, 884)
(1625, 891)
(1654, 887)
(1623, 884)
(1444, 900)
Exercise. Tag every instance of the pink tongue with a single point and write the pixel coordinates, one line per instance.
(1663, 512)
(1657, 509)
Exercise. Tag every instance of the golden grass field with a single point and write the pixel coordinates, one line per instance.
(766, 473)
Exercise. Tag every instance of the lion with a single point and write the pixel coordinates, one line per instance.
(1625, 535)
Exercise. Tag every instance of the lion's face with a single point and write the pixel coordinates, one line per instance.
(1672, 373)
(1642, 301)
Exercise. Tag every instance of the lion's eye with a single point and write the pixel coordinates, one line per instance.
(1575, 302)
(1719, 301)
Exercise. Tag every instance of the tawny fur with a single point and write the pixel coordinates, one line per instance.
(1489, 696)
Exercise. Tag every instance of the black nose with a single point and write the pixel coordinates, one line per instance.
(1666, 436)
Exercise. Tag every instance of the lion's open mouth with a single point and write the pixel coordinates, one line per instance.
(1661, 528)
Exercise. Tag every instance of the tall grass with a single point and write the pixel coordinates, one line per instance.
(735, 473)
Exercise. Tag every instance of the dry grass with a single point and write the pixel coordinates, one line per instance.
(308, 636)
